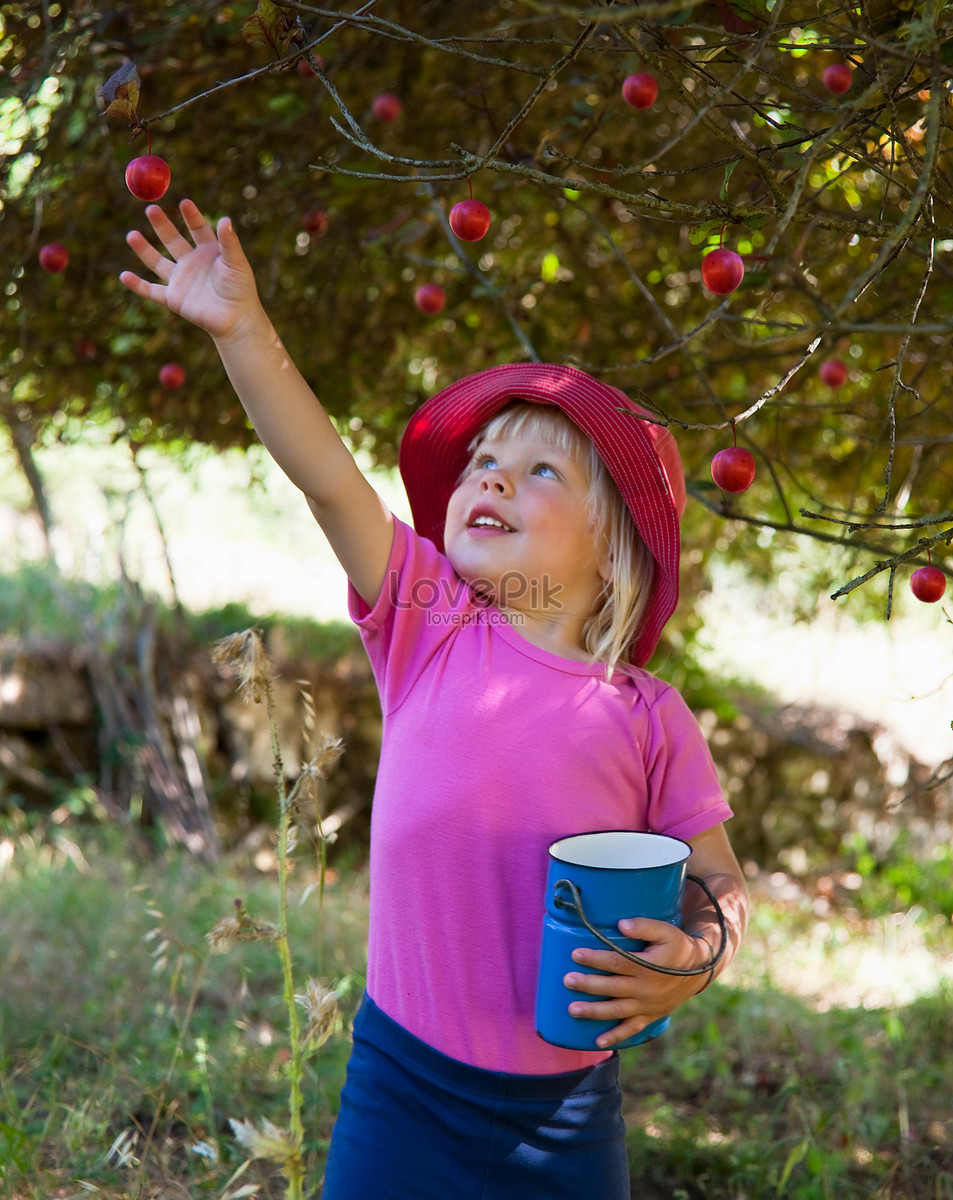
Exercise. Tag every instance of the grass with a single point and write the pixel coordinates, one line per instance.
(126, 1047)
(757, 1094)
(117, 1023)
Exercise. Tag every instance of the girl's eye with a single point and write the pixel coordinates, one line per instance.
(483, 462)
(546, 469)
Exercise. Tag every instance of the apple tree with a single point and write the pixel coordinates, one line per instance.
(757, 247)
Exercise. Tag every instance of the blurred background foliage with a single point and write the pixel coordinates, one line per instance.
(840, 204)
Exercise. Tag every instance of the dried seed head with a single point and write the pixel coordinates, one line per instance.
(239, 926)
(327, 752)
(303, 800)
(245, 653)
(321, 1005)
(270, 1141)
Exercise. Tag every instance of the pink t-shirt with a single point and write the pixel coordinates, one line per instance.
(492, 750)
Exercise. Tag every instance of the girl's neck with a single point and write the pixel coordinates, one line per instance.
(562, 637)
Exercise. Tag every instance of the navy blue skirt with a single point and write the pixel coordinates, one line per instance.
(417, 1125)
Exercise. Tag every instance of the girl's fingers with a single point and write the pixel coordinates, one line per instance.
(196, 223)
(142, 287)
(147, 254)
(607, 1010)
(599, 985)
(177, 245)
(625, 1029)
(232, 252)
(168, 234)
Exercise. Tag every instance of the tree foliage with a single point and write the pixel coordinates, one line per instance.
(841, 205)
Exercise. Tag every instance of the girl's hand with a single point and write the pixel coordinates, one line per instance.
(639, 995)
(207, 280)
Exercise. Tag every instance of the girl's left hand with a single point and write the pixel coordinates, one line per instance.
(639, 995)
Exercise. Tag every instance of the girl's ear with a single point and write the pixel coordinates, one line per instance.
(606, 560)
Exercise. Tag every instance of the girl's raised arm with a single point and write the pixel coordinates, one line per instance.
(208, 281)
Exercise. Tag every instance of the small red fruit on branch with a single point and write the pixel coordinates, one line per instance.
(315, 221)
(430, 298)
(386, 107)
(470, 219)
(54, 257)
(640, 90)
(722, 271)
(928, 584)
(148, 177)
(838, 77)
(733, 468)
(304, 67)
(833, 373)
(172, 375)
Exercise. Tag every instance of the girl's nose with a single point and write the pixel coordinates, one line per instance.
(495, 482)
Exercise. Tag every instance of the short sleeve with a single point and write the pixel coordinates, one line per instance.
(418, 608)
(685, 794)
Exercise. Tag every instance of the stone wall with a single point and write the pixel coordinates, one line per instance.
(141, 725)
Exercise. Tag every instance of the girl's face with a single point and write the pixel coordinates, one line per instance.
(518, 524)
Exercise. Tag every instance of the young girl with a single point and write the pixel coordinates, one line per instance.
(507, 632)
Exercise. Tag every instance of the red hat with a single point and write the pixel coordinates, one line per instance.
(640, 456)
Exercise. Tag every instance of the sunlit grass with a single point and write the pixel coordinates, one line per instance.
(788, 1078)
(115, 1019)
(820, 1068)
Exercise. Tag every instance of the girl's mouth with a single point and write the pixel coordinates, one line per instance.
(490, 523)
(484, 517)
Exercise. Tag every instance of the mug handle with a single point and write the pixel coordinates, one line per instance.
(574, 904)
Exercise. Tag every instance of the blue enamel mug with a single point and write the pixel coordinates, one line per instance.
(592, 882)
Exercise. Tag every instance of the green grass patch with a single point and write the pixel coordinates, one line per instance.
(755, 1093)
(126, 1047)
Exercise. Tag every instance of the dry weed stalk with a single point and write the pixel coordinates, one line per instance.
(245, 653)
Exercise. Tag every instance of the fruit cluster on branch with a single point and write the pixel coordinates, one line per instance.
(739, 213)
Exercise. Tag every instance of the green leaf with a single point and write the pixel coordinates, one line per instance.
(699, 234)
(797, 1155)
(14, 1146)
(728, 173)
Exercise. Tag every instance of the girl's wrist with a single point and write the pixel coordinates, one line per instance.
(253, 326)
(700, 937)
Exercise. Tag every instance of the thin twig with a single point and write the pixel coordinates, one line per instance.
(855, 524)
(908, 220)
(895, 561)
(269, 69)
(401, 33)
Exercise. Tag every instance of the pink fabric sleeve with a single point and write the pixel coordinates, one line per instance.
(685, 795)
(414, 613)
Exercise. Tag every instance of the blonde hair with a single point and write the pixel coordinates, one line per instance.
(611, 629)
